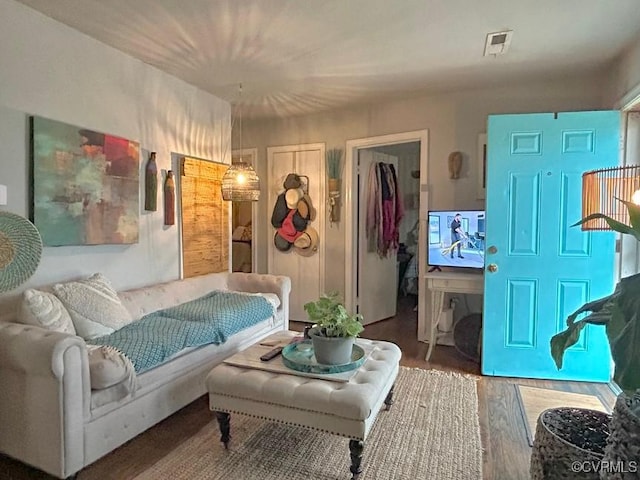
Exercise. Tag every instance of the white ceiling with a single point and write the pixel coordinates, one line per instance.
(302, 56)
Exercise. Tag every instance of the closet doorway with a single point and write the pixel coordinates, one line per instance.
(244, 218)
(373, 281)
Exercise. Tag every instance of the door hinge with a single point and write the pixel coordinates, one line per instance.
(618, 245)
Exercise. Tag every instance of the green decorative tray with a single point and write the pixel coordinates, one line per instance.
(299, 356)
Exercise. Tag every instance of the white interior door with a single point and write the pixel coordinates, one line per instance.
(306, 273)
(377, 284)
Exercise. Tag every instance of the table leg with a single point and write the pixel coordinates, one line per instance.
(437, 301)
(389, 400)
(355, 449)
(225, 427)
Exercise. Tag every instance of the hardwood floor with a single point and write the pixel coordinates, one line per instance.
(506, 451)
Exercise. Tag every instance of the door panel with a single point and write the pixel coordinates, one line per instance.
(546, 269)
(377, 277)
(306, 273)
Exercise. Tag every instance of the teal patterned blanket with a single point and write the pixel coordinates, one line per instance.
(212, 318)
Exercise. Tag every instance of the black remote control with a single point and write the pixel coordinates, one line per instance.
(271, 354)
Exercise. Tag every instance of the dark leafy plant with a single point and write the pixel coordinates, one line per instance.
(619, 313)
(332, 319)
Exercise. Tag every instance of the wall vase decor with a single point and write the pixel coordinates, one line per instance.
(151, 184)
(334, 200)
(455, 165)
(169, 199)
(334, 172)
(85, 185)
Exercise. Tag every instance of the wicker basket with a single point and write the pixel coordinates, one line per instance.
(565, 436)
(623, 445)
(20, 250)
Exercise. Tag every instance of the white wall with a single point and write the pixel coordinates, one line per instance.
(50, 70)
(454, 121)
(623, 77)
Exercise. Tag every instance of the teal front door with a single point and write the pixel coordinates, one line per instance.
(538, 268)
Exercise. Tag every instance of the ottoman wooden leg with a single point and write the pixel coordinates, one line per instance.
(389, 400)
(223, 422)
(355, 449)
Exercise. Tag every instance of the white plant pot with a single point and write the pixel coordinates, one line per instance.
(332, 350)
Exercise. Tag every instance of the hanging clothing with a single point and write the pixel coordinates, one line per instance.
(374, 210)
(384, 209)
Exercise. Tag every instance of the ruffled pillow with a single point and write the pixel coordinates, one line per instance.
(109, 367)
(45, 310)
(247, 234)
(94, 306)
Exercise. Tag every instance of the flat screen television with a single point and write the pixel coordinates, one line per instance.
(456, 242)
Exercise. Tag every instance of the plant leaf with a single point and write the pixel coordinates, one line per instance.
(613, 224)
(332, 318)
(634, 214)
(560, 342)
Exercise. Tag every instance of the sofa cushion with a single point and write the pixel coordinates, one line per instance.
(45, 310)
(212, 318)
(108, 366)
(94, 306)
(179, 366)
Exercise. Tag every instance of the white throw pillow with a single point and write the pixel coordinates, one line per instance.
(43, 309)
(237, 233)
(272, 298)
(108, 367)
(94, 306)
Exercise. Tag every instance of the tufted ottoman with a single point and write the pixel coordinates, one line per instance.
(347, 409)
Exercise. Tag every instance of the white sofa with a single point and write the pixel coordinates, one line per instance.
(51, 419)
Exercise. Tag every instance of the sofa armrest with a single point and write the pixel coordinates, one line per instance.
(45, 397)
(264, 283)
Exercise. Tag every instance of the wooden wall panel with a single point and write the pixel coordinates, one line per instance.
(205, 218)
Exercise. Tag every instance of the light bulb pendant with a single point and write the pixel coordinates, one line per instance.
(240, 182)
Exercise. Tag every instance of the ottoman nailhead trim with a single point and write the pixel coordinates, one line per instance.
(292, 408)
(269, 419)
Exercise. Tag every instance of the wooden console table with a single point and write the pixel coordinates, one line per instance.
(439, 283)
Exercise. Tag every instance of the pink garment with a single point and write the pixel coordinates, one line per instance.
(388, 209)
(399, 210)
(388, 226)
(288, 230)
(374, 210)
(385, 209)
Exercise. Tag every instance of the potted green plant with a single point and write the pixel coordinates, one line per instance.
(334, 331)
(619, 314)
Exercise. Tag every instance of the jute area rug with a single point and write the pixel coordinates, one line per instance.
(430, 432)
(533, 401)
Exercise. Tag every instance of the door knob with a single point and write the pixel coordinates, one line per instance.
(492, 267)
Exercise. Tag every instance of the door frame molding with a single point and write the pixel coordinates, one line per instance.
(350, 203)
(252, 154)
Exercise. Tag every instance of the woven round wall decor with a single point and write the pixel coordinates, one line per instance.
(20, 250)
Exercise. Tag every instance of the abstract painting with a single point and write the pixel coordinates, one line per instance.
(85, 185)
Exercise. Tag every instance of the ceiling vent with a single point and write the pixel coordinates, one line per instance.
(497, 43)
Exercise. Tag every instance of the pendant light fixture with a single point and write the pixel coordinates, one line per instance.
(240, 182)
(601, 190)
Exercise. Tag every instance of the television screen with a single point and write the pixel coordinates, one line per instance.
(456, 238)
